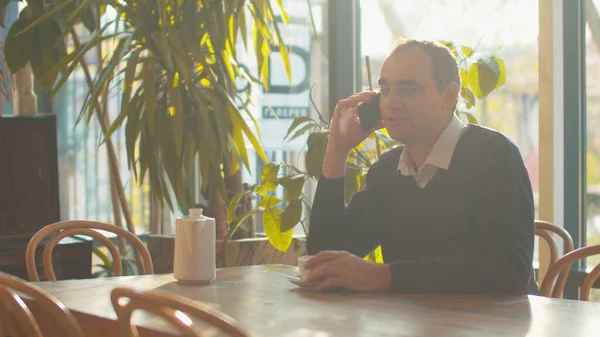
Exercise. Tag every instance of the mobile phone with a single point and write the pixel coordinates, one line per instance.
(369, 113)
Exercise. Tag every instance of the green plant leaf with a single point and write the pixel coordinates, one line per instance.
(74, 58)
(149, 75)
(105, 77)
(291, 216)
(163, 49)
(18, 47)
(46, 16)
(467, 94)
(89, 17)
(127, 85)
(281, 240)
(238, 222)
(45, 53)
(317, 144)
(235, 114)
(312, 20)
(132, 132)
(484, 76)
(231, 208)
(106, 262)
(180, 56)
(306, 128)
(296, 123)
(269, 202)
(176, 112)
(293, 187)
(162, 13)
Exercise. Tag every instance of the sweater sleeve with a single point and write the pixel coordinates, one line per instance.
(334, 226)
(503, 221)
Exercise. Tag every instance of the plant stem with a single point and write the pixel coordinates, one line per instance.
(112, 156)
(114, 194)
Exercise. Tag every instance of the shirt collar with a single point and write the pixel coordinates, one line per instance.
(442, 151)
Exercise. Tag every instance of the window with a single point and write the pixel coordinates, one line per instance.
(84, 176)
(83, 165)
(507, 28)
(276, 108)
(592, 64)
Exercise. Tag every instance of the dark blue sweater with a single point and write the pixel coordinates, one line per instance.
(470, 230)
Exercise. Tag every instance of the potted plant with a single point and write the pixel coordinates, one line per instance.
(480, 75)
(175, 63)
(36, 48)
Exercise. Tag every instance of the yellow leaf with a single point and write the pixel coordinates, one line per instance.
(231, 208)
(284, 16)
(473, 79)
(502, 77)
(467, 51)
(375, 256)
(272, 223)
(269, 202)
(205, 83)
(464, 77)
(285, 58)
(176, 80)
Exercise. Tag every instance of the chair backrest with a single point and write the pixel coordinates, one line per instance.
(549, 286)
(178, 311)
(544, 230)
(16, 318)
(63, 229)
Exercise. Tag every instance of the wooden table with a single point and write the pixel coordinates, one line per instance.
(267, 304)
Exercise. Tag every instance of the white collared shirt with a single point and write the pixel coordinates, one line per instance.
(439, 157)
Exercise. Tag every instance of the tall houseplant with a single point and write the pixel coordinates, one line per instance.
(176, 65)
(480, 75)
(37, 42)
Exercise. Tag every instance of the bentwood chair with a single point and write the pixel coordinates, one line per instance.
(545, 230)
(60, 230)
(178, 311)
(16, 318)
(553, 288)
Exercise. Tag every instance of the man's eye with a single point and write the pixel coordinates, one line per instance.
(384, 91)
(408, 90)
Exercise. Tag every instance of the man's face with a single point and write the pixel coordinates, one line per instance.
(411, 105)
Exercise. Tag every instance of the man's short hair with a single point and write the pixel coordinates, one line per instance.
(444, 62)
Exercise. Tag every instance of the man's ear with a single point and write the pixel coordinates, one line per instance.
(450, 96)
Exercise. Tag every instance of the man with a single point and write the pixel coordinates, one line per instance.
(452, 207)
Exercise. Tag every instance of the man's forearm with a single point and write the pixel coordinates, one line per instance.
(334, 165)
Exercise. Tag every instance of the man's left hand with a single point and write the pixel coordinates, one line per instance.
(345, 270)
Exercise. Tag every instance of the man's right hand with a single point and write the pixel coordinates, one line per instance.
(345, 134)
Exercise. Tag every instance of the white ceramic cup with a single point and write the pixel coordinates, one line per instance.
(301, 261)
